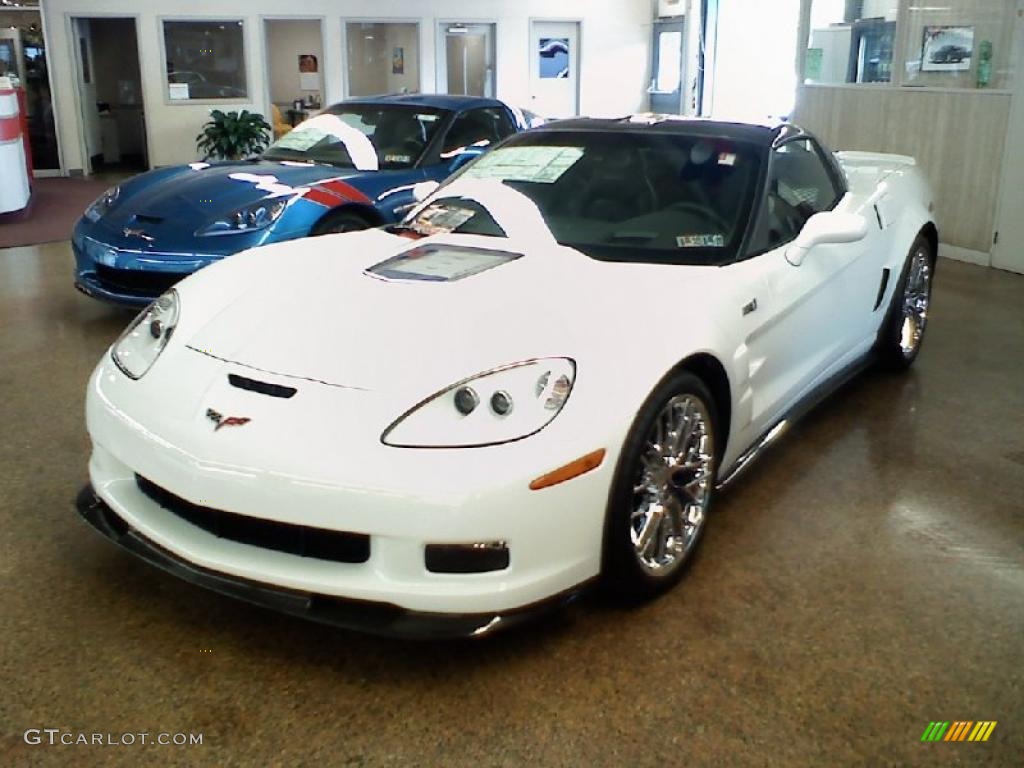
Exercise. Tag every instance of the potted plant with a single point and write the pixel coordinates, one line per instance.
(233, 135)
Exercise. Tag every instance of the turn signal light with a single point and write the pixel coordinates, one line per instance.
(568, 471)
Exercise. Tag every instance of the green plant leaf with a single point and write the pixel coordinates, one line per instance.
(232, 135)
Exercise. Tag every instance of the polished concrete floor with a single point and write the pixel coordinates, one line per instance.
(865, 578)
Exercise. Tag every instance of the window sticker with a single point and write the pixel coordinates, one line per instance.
(727, 158)
(331, 129)
(301, 139)
(441, 218)
(701, 241)
(440, 263)
(544, 165)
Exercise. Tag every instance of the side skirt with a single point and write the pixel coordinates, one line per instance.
(798, 411)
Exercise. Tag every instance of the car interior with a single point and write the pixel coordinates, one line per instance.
(662, 198)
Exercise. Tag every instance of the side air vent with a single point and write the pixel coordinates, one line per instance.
(881, 289)
(263, 387)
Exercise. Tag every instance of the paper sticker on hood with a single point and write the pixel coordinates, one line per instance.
(440, 263)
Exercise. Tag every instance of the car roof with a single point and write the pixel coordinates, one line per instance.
(762, 133)
(431, 100)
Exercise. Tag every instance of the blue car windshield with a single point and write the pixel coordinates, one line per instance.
(367, 137)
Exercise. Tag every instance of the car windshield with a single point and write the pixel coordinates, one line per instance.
(618, 196)
(367, 137)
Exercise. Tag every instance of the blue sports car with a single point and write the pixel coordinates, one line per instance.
(352, 166)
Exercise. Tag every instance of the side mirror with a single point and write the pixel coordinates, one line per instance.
(826, 227)
(423, 190)
(464, 156)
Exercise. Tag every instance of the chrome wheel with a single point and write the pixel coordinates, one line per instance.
(673, 485)
(916, 296)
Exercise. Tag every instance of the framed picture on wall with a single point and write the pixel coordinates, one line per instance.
(398, 61)
(554, 57)
(309, 72)
(947, 49)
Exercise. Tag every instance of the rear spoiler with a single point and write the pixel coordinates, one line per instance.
(874, 158)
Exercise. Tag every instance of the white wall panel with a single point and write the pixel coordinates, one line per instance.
(615, 59)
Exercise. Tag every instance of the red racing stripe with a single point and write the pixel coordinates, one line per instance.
(321, 197)
(345, 191)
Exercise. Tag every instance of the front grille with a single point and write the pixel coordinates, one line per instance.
(302, 540)
(136, 281)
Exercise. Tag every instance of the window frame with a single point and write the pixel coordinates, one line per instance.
(502, 109)
(346, 78)
(832, 170)
(431, 152)
(248, 99)
(901, 38)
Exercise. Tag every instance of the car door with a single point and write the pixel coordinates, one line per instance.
(797, 316)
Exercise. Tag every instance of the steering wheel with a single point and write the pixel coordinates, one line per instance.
(700, 210)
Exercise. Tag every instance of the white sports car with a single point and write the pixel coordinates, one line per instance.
(540, 379)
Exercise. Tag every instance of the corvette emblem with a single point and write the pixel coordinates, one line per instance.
(139, 233)
(221, 421)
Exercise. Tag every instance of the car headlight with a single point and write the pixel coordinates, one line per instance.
(143, 341)
(246, 219)
(497, 406)
(102, 204)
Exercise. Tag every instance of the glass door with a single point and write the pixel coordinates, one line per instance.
(466, 64)
(667, 82)
(23, 55)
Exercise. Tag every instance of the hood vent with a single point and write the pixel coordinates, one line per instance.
(262, 387)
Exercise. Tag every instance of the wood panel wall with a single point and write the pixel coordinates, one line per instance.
(957, 137)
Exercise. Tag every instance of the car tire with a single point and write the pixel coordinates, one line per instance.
(902, 332)
(670, 488)
(340, 221)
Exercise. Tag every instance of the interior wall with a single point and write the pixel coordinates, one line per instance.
(956, 130)
(752, 33)
(930, 126)
(615, 56)
(286, 41)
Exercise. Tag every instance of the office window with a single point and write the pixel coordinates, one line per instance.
(205, 60)
(959, 44)
(851, 42)
(382, 58)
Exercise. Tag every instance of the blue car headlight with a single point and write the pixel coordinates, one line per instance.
(102, 204)
(258, 215)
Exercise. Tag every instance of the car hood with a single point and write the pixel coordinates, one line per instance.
(197, 192)
(320, 313)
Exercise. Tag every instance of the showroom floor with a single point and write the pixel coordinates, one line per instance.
(865, 578)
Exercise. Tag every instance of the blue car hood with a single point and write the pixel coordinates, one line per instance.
(192, 195)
